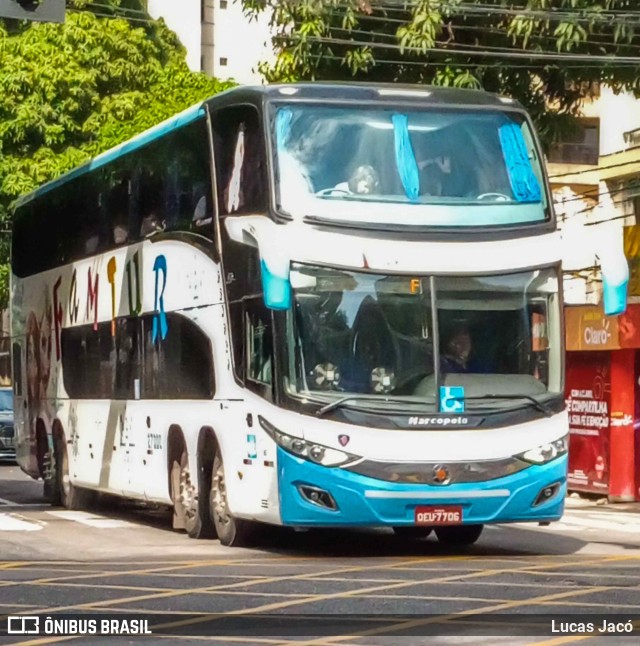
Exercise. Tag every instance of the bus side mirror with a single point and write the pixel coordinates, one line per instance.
(258, 231)
(276, 285)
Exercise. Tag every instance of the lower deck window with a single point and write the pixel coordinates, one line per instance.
(129, 364)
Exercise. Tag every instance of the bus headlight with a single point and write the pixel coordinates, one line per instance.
(311, 451)
(546, 452)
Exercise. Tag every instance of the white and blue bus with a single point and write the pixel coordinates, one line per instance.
(310, 305)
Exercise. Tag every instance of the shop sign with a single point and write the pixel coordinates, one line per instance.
(587, 328)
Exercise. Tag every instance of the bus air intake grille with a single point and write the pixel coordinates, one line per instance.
(429, 472)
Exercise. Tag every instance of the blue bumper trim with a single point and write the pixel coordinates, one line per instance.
(364, 501)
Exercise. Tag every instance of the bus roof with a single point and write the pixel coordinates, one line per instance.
(380, 93)
(374, 92)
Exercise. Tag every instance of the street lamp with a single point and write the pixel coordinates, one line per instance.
(36, 10)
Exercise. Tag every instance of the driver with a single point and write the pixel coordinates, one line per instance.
(457, 354)
(456, 351)
(363, 181)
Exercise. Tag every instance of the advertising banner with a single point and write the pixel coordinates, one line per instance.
(587, 328)
(588, 401)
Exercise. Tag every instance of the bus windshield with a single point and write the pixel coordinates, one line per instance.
(356, 333)
(433, 167)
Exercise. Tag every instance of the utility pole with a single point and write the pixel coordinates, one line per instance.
(35, 10)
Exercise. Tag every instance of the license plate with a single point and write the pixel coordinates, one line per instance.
(445, 515)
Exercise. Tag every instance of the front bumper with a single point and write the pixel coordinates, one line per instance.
(363, 501)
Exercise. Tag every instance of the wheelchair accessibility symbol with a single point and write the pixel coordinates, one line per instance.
(452, 399)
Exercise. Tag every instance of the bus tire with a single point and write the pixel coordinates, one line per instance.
(195, 508)
(232, 532)
(412, 533)
(47, 466)
(68, 494)
(459, 535)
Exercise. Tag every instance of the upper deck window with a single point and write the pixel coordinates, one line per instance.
(430, 167)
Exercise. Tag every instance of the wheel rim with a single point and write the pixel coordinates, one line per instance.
(187, 494)
(219, 508)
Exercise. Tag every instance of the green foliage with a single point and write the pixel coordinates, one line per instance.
(71, 91)
(539, 51)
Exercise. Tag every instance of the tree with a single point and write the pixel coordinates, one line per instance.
(548, 54)
(71, 91)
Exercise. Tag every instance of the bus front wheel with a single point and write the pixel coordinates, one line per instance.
(232, 532)
(459, 534)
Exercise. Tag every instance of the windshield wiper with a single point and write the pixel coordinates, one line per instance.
(371, 398)
(535, 402)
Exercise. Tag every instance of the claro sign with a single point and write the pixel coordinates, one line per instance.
(587, 328)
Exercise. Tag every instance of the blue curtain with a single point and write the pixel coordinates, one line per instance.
(405, 157)
(524, 183)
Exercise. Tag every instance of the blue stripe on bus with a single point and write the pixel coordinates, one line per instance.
(157, 132)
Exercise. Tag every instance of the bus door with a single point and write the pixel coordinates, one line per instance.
(256, 465)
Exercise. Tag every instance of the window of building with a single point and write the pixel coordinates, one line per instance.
(635, 201)
(223, 4)
(223, 60)
(582, 146)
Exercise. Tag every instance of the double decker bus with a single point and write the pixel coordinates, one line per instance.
(310, 305)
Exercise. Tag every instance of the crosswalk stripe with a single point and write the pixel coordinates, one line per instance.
(16, 523)
(91, 520)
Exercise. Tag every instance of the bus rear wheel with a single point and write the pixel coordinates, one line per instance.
(67, 493)
(192, 507)
(459, 535)
(232, 532)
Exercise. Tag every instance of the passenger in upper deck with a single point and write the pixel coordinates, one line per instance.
(363, 181)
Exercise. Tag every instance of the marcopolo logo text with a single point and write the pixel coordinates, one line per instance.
(438, 421)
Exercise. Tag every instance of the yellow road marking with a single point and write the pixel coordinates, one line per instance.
(356, 592)
(110, 573)
(229, 586)
(8, 565)
(405, 625)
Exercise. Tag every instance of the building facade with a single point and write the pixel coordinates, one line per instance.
(220, 40)
(595, 182)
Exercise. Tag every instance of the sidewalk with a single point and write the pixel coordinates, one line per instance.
(573, 501)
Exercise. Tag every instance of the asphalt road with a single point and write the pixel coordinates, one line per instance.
(124, 559)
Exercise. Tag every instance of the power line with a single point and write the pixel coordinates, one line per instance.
(453, 43)
(579, 16)
(595, 170)
(439, 50)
